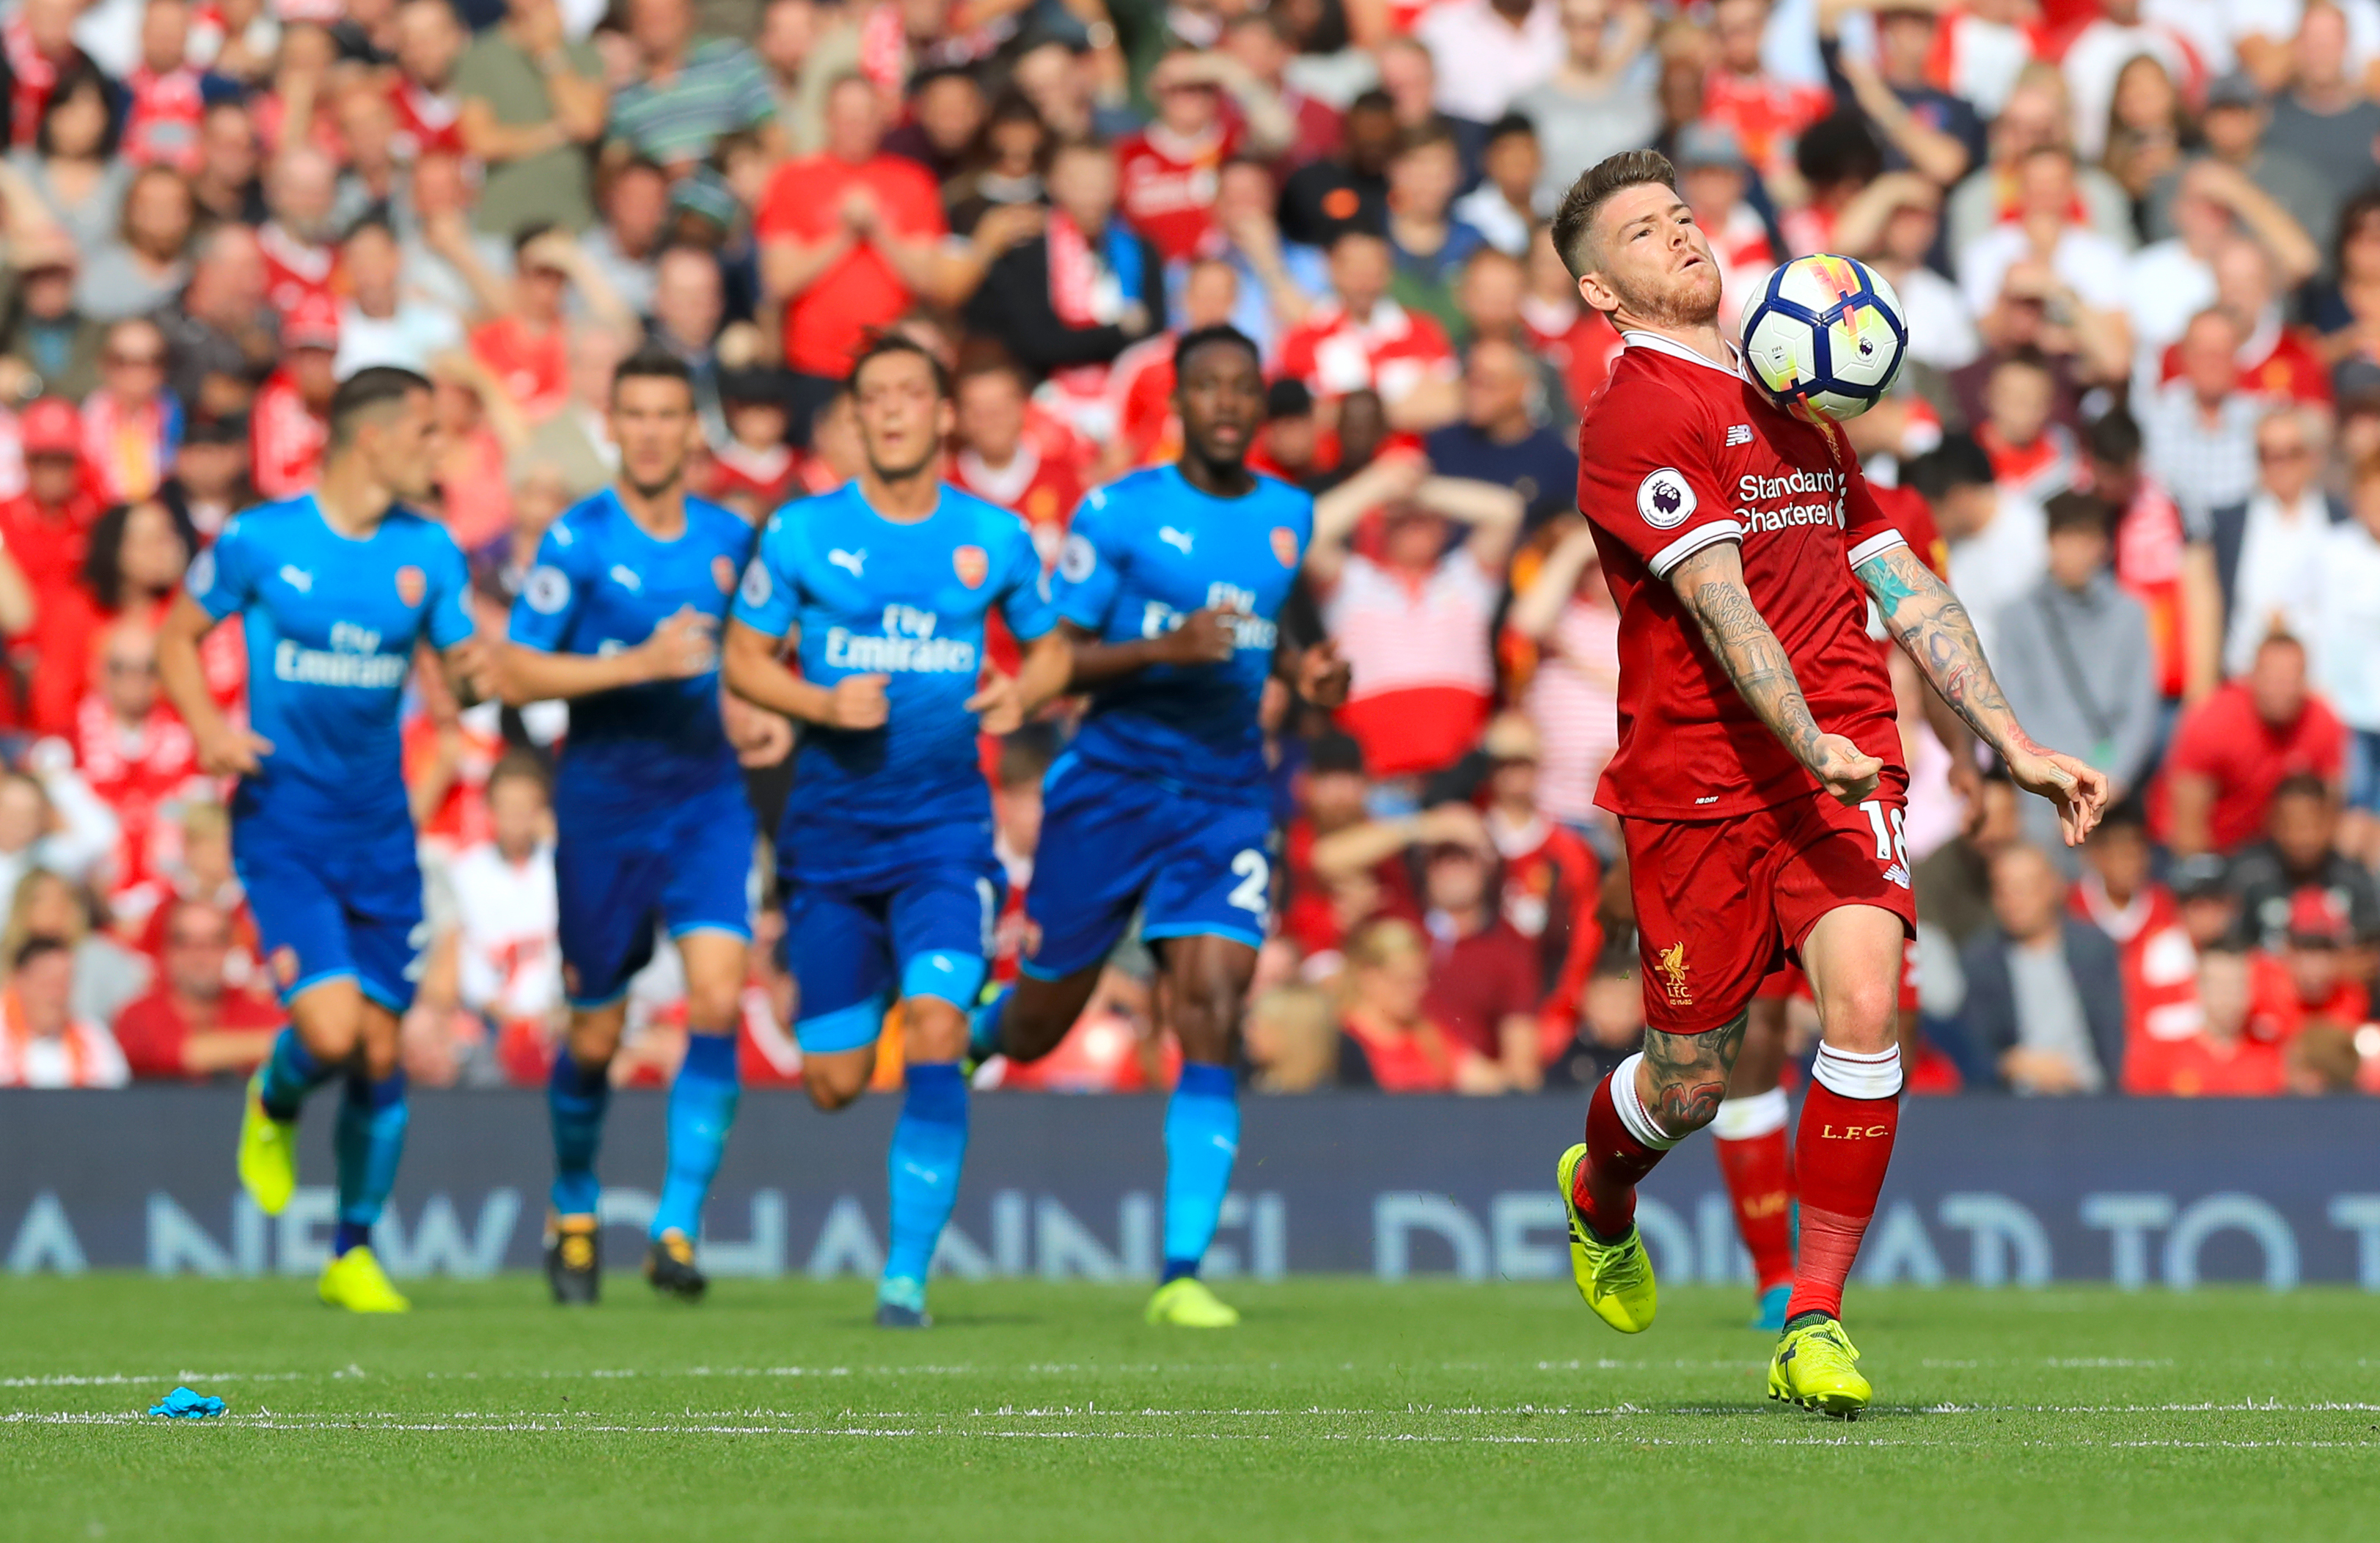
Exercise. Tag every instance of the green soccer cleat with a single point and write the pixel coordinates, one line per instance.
(1814, 1369)
(669, 1265)
(268, 1153)
(1187, 1304)
(1615, 1278)
(355, 1282)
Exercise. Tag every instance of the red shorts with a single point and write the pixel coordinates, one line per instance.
(1721, 902)
(1787, 981)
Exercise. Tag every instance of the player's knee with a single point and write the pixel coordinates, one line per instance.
(1861, 1016)
(714, 1003)
(831, 1095)
(933, 1029)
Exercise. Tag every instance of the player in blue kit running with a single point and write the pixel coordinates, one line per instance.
(335, 590)
(885, 854)
(620, 615)
(1168, 589)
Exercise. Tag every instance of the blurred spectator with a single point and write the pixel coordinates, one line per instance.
(2323, 1059)
(226, 184)
(42, 52)
(2201, 427)
(2300, 853)
(299, 256)
(507, 960)
(1395, 1041)
(1565, 609)
(634, 202)
(2087, 270)
(2161, 561)
(222, 336)
(445, 261)
(2344, 306)
(1595, 102)
(2232, 127)
(691, 93)
(1349, 190)
(2230, 752)
(2045, 999)
(2095, 62)
(42, 1043)
(1293, 1043)
(2032, 455)
(478, 431)
(236, 38)
(1167, 173)
(133, 750)
(135, 561)
(47, 344)
(2276, 359)
(1499, 439)
(429, 43)
(72, 170)
(106, 975)
(847, 237)
(1920, 127)
(144, 264)
(753, 468)
(1953, 884)
(2173, 280)
(1550, 878)
(2269, 549)
(192, 1023)
(45, 531)
(1489, 52)
(1264, 44)
(210, 482)
(1713, 177)
(290, 425)
(1576, 340)
(2143, 920)
(2073, 657)
(1329, 892)
(1415, 622)
(2327, 119)
(1998, 542)
(998, 461)
(2311, 978)
(1362, 338)
(1768, 114)
(1484, 977)
(2345, 638)
(133, 421)
(1502, 208)
(1428, 247)
(531, 100)
(525, 346)
(946, 111)
(1067, 301)
(379, 323)
(2221, 1058)
(2036, 115)
(1140, 383)
(50, 823)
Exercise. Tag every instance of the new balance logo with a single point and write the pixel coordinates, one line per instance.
(1178, 539)
(848, 561)
(1739, 433)
(1897, 874)
(298, 578)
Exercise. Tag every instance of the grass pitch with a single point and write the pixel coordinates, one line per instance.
(1341, 1409)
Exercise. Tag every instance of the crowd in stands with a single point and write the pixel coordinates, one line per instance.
(2137, 241)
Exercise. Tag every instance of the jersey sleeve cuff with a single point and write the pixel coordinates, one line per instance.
(1875, 545)
(1693, 541)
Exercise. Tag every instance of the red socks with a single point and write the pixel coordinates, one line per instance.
(1623, 1146)
(1840, 1156)
(1753, 1156)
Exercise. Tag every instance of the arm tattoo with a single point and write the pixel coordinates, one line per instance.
(1934, 630)
(1741, 640)
(1689, 1073)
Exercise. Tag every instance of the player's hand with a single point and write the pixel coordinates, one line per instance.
(998, 706)
(1846, 772)
(471, 667)
(1453, 823)
(228, 751)
(2079, 791)
(1206, 637)
(685, 644)
(857, 703)
(761, 737)
(1322, 676)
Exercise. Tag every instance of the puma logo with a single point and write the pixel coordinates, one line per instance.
(1178, 539)
(850, 561)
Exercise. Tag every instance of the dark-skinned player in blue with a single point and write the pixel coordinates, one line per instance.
(620, 616)
(1169, 590)
(885, 853)
(337, 590)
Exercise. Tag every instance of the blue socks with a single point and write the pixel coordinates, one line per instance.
(701, 1108)
(575, 1097)
(983, 1026)
(290, 1072)
(929, 1144)
(369, 1138)
(1202, 1136)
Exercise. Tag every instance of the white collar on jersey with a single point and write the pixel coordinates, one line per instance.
(1637, 338)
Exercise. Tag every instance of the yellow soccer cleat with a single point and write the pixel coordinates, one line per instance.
(1814, 1369)
(355, 1282)
(1187, 1304)
(268, 1153)
(1615, 1278)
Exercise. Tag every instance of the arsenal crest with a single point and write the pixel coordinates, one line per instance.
(973, 566)
(1285, 545)
(410, 585)
(722, 572)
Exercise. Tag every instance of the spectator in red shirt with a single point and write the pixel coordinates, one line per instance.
(299, 256)
(2232, 750)
(1575, 339)
(1483, 975)
(848, 239)
(290, 424)
(2312, 976)
(1330, 891)
(755, 469)
(1401, 1046)
(2223, 1058)
(528, 347)
(429, 42)
(138, 554)
(192, 1023)
(1169, 171)
(46, 528)
(998, 461)
(1364, 339)
(1766, 114)
(161, 126)
(1550, 878)
(2143, 920)
(132, 748)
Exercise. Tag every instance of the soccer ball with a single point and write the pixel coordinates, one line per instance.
(1824, 337)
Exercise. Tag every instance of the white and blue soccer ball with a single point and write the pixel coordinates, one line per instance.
(1824, 337)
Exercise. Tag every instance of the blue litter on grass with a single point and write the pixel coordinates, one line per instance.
(184, 1404)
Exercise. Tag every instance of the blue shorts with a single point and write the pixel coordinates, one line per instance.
(333, 907)
(685, 865)
(931, 932)
(1197, 866)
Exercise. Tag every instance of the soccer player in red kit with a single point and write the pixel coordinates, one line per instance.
(1758, 782)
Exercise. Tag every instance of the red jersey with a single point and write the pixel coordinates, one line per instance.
(766, 477)
(2160, 975)
(2225, 740)
(2149, 546)
(285, 439)
(161, 127)
(153, 1029)
(534, 366)
(1681, 454)
(1167, 185)
(2279, 362)
(1579, 343)
(135, 773)
(826, 323)
(1140, 389)
(48, 543)
(2276, 1011)
(1766, 114)
(294, 268)
(426, 120)
(1392, 351)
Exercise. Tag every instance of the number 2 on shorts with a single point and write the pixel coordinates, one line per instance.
(1255, 873)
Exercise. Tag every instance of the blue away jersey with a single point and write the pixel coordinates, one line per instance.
(1142, 553)
(602, 584)
(906, 600)
(331, 627)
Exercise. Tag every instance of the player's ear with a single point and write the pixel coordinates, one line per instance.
(946, 418)
(1597, 295)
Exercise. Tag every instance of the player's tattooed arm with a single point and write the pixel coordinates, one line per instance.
(1689, 1074)
(1711, 584)
(1930, 625)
